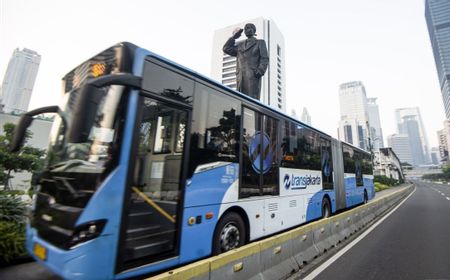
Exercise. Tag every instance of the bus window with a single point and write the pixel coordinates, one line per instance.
(215, 128)
(300, 147)
(260, 160)
(308, 154)
(367, 165)
(358, 159)
(167, 82)
(349, 162)
(250, 154)
(270, 157)
(326, 164)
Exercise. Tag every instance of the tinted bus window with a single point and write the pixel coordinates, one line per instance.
(349, 162)
(358, 159)
(289, 148)
(168, 83)
(215, 128)
(367, 164)
(300, 147)
(269, 157)
(308, 143)
(260, 160)
(326, 164)
(251, 160)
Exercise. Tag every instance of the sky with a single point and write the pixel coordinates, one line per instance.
(383, 43)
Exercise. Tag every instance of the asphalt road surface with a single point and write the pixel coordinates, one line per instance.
(412, 243)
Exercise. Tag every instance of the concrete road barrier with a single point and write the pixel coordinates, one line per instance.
(279, 256)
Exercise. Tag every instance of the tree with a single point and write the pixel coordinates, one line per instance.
(27, 159)
(446, 169)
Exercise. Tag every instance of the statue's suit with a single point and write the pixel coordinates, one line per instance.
(252, 61)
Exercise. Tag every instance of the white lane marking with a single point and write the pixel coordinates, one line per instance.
(448, 198)
(334, 258)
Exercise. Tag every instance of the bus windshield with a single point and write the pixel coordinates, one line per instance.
(74, 171)
(88, 161)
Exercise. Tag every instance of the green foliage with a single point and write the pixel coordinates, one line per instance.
(437, 177)
(28, 159)
(12, 227)
(385, 180)
(446, 169)
(12, 208)
(380, 186)
(12, 240)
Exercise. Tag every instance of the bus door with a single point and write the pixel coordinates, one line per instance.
(151, 219)
(260, 163)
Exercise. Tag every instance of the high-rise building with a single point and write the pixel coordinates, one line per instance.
(306, 117)
(19, 80)
(406, 119)
(376, 133)
(435, 156)
(294, 114)
(411, 128)
(443, 136)
(443, 145)
(437, 14)
(401, 146)
(354, 118)
(223, 66)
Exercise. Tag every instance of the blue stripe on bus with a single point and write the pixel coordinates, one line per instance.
(196, 240)
(209, 187)
(314, 206)
(204, 193)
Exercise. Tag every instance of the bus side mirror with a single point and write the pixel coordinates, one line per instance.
(24, 122)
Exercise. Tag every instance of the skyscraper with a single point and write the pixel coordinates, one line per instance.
(435, 155)
(306, 117)
(409, 122)
(401, 146)
(437, 14)
(19, 80)
(354, 118)
(223, 66)
(443, 141)
(376, 133)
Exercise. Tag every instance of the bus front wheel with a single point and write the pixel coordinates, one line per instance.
(229, 234)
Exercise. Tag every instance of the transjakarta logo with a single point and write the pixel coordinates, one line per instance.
(295, 179)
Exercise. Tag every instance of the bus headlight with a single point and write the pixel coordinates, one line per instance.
(87, 231)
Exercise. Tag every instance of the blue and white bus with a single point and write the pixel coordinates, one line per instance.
(151, 165)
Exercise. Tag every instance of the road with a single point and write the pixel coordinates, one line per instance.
(412, 243)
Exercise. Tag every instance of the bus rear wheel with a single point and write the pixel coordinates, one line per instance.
(326, 208)
(229, 234)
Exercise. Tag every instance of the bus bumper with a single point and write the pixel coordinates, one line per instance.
(82, 262)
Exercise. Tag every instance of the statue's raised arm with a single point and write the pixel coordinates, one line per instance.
(252, 59)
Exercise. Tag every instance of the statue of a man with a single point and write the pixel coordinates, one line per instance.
(252, 60)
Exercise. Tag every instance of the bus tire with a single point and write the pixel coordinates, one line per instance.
(366, 198)
(230, 233)
(326, 208)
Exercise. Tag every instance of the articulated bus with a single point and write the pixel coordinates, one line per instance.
(151, 166)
